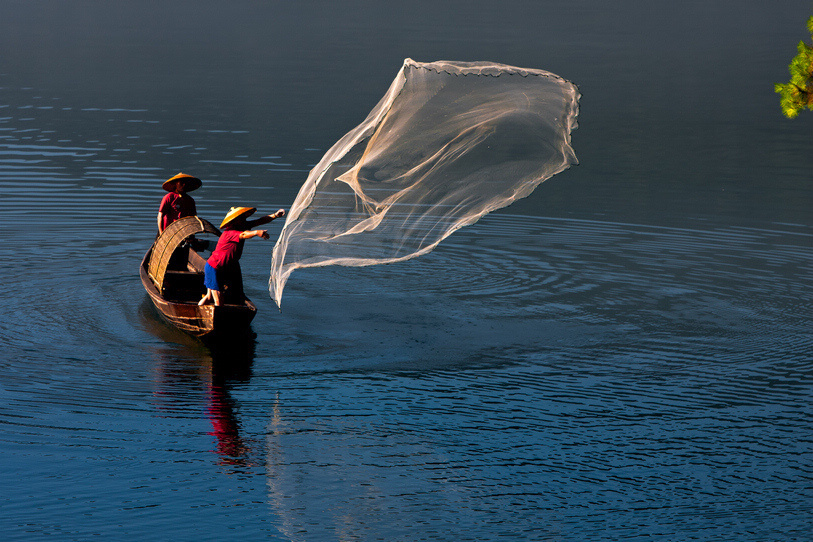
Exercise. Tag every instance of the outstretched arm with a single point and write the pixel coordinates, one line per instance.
(265, 219)
(254, 233)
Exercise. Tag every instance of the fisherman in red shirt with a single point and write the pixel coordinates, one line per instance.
(177, 204)
(222, 269)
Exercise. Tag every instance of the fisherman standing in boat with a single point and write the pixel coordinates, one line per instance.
(178, 203)
(222, 271)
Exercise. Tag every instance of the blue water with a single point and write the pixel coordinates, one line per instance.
(624, 355)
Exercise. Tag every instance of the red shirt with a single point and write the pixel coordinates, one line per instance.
(175, 206)
(228, 250)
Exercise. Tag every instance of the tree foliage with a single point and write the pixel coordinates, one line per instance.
(798, 93)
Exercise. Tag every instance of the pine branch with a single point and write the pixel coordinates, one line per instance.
(798, 93)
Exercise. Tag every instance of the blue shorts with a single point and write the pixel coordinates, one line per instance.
(210, 277)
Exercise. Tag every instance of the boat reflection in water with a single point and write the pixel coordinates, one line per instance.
(230, 363)
(191, 371)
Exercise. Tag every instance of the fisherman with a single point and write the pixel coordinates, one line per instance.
(178, 203)
(222, 270)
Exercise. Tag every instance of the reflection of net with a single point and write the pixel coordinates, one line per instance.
(448, 143)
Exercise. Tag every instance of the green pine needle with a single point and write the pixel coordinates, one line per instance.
(798, 93)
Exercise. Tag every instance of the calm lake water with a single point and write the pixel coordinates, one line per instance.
(627, 354)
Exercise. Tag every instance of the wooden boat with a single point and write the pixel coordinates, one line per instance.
(172, 275)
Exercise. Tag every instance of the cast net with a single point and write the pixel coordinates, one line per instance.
(448, 143)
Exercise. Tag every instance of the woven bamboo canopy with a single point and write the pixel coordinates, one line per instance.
(169, 241)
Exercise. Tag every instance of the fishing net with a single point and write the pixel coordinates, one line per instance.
(448, 143)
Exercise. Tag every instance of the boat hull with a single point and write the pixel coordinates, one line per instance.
(205, 321)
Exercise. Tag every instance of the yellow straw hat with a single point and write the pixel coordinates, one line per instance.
(235, 213)
(192, 183)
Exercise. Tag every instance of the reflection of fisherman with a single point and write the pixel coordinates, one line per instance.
(177, 204)
(222, 270)
(225, 426)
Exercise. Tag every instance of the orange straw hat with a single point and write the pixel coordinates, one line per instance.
(192, 183)
(237, 212)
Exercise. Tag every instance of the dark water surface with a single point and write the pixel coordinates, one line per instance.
(624, 355)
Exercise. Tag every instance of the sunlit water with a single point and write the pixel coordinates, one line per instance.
(595, 363)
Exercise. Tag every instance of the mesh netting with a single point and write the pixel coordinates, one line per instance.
(448, 143)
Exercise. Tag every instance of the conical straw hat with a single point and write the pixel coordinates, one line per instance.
(192, 183)
(237, 212)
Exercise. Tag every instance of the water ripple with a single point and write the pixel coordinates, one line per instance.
(532, 378)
